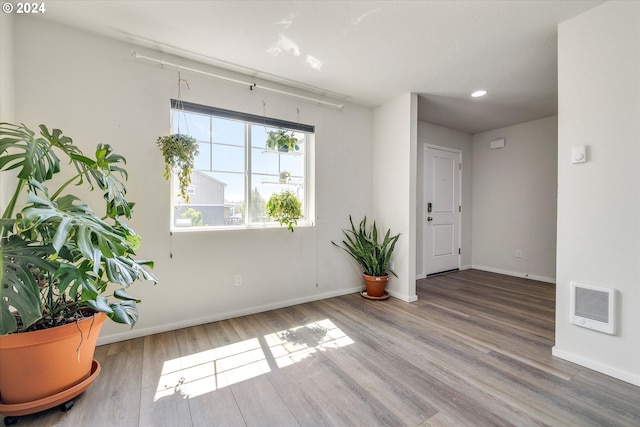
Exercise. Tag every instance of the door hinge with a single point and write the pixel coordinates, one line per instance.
(459, 166)
(459, 251)
(459, 208)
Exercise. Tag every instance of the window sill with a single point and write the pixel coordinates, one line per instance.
(262, 226)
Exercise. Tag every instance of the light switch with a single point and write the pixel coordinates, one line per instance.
(579, 154)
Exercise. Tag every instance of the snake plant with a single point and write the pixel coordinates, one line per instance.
(363, 246)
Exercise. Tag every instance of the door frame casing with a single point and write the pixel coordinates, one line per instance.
(423, 208)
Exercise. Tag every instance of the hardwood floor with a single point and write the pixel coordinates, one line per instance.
(475, 350)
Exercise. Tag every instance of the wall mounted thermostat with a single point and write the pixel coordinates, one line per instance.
(579, 154)
(496, 143)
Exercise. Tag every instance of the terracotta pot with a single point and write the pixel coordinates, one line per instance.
(35, 365)
(375, 285)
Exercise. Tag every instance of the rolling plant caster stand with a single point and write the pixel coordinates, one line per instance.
(12, 420)
(64, 400)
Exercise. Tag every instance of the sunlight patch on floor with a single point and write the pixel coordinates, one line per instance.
(200, 373)
(292, 345)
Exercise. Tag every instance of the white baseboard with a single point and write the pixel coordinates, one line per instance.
(412, 298)
(137, 333)
(597, 366)
(516, 274)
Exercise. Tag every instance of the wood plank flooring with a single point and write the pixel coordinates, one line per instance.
(474, 350)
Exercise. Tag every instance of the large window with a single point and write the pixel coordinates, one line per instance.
(235, 171)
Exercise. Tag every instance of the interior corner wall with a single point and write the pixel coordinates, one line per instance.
(514, 200)
(599, 201)
(7, 94)
(90, 87)
(395, 128)
(7, 100)
(437, 135)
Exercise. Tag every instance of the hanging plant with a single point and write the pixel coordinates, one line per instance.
(179, 153)
(285, 208)
(282, 140)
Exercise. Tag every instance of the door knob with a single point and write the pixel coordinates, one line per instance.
(429, 219)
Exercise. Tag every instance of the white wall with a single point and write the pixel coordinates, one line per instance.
(395, 134)
(6, 89)
(514, 200)
(6, 67)
(444, 137)
(92, 89)
(599, 201)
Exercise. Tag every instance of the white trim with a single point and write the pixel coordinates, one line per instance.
(441, 148)
(515, 274)
(597, 366)
(137, 333)
(274, 225)
(402, 297)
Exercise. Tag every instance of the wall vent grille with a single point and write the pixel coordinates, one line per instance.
(593, 307)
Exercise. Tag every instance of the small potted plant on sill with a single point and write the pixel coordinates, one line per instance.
(371, 255)
(284, 208)
(282, 140)
(284, 177)
(179, 153)
(59, 261)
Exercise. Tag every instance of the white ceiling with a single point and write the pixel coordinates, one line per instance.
(367, 52)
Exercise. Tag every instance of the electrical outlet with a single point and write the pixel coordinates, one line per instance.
(238, 280)
(518, 253)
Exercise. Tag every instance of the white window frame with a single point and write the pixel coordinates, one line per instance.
(177, 107)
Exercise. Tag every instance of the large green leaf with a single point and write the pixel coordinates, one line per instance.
(19, 290)
(103, 171)
(124, 312)
(32, 156)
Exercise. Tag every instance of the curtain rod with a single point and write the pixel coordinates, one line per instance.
(252, 86)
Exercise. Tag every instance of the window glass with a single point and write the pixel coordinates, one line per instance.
(227, 158)
(195, 125)
(228, 131)
(203, 159)
(235, 173)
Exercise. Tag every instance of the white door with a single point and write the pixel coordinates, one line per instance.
(441, 210)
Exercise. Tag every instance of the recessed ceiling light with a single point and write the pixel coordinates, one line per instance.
(479, 93)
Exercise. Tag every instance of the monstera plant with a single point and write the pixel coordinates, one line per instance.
(64, 267)
(57, 255)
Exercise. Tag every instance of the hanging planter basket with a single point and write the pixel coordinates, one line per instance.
(285, 208)
(179, 153)
(282, 140)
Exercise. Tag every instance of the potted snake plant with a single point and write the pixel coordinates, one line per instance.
(372, 255)
(64, 268)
